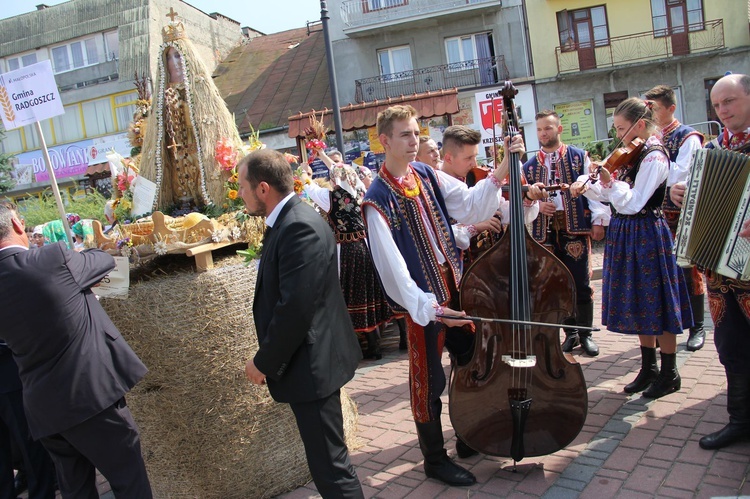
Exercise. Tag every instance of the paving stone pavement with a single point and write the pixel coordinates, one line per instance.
(629, 447)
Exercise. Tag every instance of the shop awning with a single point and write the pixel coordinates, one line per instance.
(358, 116)
(98, 168)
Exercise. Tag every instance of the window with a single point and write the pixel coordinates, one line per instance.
(32, 136)
(98, 117)
(101, 116)
(583, 28)
(22, 61)
(384, 4)
(670, 16)
(469, 48)
(124, 109)
(112, 46)
(12, 142)
(75, 55)
(68, 127)
(395, 60)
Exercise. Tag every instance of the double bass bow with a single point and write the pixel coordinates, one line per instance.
(519, 395)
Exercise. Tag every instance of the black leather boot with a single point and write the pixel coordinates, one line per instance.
(402, 344)
(373, 345)
(738, 407)
(668, 381)
(572, 340)
(648, 373)
(697, 336)
(463, 450)
(586, 318)
(437, 464)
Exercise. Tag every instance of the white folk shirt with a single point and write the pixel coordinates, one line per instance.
(464, 204)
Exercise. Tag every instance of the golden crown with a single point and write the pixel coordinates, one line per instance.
(173, 31)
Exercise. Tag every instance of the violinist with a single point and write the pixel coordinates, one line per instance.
(730, 298)
(643, 289)
(681, 142)
(567, 225)
(407, 211)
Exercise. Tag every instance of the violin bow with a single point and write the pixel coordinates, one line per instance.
(512, 321)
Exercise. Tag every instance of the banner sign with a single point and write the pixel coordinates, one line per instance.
(577, 120)
(69, 160)
(28, 95)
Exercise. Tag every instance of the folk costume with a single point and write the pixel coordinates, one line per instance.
(681, 141)
(473, 243)
(729, 302)
(568, 233)
(365, 299)
(415, 253)
(643, 289)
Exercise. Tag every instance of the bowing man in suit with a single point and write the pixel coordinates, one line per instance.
(307, 347)
(74, 366)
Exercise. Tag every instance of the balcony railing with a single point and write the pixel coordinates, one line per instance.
(88, 75)
(474, 73)
(701, 37)
(362, 13)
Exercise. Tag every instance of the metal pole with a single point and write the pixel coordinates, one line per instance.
(55, 190)
(332, 77)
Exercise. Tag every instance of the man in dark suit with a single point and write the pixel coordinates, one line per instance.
(39, 470)
(74, 366)
(307, 346)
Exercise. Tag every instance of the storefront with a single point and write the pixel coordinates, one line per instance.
(358, 122)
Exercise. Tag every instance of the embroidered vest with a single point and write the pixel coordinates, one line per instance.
(673, 136)
(577, 213)
(657, 198)
(410, 235)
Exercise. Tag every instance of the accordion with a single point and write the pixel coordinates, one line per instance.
(716, 204)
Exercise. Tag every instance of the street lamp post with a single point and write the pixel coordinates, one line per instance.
(332, 77)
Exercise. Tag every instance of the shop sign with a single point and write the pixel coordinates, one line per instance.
(69, 160)
(577, 120)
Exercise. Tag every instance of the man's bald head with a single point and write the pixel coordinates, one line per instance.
(730, 97)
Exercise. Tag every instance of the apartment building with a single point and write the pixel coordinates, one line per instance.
(393, 49)
(96, 49)
(590, 55)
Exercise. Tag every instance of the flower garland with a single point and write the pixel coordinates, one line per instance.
(228, 158)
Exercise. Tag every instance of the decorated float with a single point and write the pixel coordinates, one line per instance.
(206, 431)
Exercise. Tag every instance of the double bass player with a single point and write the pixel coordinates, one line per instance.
(407, 211)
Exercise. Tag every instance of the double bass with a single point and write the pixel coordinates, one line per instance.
(519, 395)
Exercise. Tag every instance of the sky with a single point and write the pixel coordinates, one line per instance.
(266, 16)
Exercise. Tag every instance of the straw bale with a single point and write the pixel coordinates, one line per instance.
(206, 431)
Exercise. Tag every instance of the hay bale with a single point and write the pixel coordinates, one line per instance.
(206, 431)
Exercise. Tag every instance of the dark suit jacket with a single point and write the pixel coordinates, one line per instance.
(307, 346)
(9, 380)
(72, 361)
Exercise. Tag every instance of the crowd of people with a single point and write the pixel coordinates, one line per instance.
(373, 250)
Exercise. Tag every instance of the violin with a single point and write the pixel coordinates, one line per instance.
(620, 157)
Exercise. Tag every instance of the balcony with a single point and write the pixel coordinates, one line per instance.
(361, 17)
(642, 47)
(474, 73)
(88, 75)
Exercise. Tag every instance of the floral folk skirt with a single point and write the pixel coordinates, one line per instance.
(643, 288)
(363, 293)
